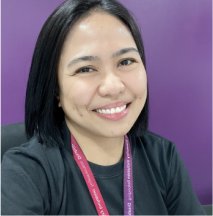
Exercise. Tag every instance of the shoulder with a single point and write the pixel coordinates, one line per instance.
(38, 169)
(158, 152)
(32, 150)
(32, 158)
(155, 144)
(151, 137)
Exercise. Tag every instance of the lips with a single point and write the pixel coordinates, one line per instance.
(112, 108)
(114, 111)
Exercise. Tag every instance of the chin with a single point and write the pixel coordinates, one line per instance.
(117, 133)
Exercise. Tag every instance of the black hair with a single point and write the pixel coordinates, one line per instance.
(43, 117)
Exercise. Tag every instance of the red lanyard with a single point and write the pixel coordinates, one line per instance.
(92, 184)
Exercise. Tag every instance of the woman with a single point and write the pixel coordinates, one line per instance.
(86, 115)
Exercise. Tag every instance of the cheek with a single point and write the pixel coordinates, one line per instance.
(137, 83)
(80, 93)
(75, 94)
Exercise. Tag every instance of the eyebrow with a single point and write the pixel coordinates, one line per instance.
(124, 51)
(96, 58)
(83, 58)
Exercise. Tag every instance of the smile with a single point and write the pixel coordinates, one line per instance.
(115, 113)
(112, 110)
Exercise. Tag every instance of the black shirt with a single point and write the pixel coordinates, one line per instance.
(37, 179)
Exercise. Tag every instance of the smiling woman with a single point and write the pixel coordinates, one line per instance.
(94, 89)
(86, 114)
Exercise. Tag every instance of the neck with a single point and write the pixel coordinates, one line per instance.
(103, 151)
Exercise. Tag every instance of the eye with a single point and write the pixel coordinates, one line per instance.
(126, 62)
(84, 70)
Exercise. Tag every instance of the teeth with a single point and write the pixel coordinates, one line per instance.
(112, 110)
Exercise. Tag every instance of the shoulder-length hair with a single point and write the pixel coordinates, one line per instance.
(43, 117)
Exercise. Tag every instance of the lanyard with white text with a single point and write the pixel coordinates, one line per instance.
(92, 184)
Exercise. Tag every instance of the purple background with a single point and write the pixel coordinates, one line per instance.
(177, 37)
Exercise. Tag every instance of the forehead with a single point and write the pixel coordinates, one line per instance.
(98, 20)
(98, 28)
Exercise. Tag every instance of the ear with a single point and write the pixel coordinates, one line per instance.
(58, 99)
(57, 96)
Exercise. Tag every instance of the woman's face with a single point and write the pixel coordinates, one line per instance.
(102, 80)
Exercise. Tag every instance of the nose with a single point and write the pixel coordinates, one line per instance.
(111, 86)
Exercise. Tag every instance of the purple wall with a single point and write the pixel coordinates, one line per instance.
(177, 37)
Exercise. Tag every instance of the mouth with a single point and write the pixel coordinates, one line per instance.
(113, 113)
(112, 110)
